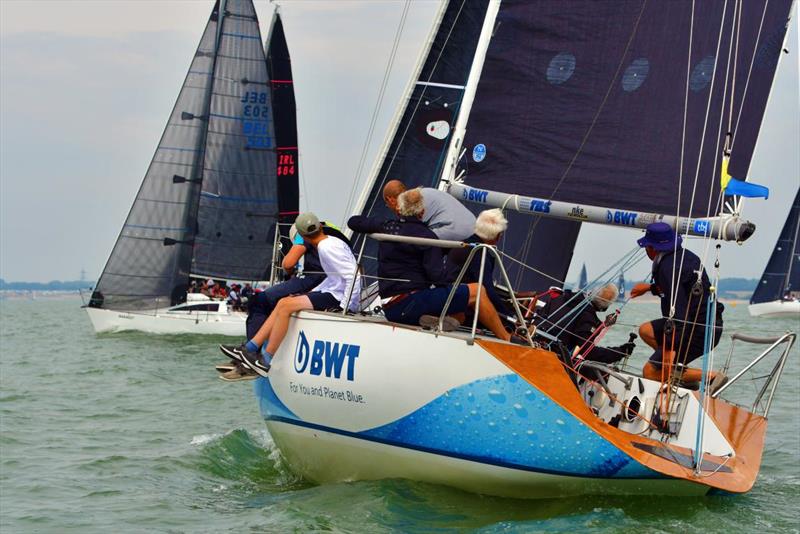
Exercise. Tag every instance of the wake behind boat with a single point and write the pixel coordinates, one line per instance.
(223, 176)
(560, 114)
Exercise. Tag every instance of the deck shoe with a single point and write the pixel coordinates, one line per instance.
(431, 322)
(234, 352)
(238, 373)
(224, 367)
(253, 361)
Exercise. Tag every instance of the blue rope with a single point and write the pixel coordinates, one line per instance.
(707, 342)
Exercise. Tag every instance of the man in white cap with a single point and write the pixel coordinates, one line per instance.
(339, 265)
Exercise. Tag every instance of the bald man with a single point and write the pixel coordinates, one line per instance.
(443, 214)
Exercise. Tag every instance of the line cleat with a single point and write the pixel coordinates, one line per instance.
(234, 352)
(252, 360)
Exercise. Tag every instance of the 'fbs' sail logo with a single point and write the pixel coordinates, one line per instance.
(325, 357)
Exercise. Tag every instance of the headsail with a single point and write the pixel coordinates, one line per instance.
(584, 102)
(419, 140)
(208, 203)
(418, 145)
(781, 276)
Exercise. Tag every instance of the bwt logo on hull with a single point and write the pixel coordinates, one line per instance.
(325, 357)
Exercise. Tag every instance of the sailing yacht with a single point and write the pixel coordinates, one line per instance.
(583, 280)
(223, 177)
(561, 113)
(778, 290)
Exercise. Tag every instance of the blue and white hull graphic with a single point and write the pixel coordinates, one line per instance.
(353, 399)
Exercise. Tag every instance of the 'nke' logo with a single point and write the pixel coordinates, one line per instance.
(325, 357)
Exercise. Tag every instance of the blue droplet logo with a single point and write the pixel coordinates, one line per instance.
(301, 357)
(561, 68)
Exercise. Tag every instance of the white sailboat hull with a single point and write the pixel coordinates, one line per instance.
(327, 457)
(776, 308)
(166, 321)
(357, 399)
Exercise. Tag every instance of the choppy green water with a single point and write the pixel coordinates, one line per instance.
(130, 432)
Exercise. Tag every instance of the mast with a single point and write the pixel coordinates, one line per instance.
(453, 153)
(185, 256)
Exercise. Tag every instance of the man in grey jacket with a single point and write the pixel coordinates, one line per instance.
(445, 215)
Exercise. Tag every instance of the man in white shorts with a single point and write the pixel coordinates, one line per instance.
(339, 264)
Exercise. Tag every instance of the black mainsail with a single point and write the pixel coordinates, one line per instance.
(632, 105)
(781, 278)
(585, 102)
(209, 202)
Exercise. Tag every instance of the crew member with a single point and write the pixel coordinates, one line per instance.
(446, 216)
(573, 319)
(261, 304)
(339, 267)
(489, 228)
(679, 270)
(412, 278)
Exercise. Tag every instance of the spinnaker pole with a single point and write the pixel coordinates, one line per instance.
(723, 227)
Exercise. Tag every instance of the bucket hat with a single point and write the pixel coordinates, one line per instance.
(661, 237)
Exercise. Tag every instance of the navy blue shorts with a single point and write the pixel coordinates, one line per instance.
(427, 302)
(689, 344)
(262, 303)
(323, 301)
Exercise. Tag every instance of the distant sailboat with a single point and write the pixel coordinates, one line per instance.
(583, 281)
(223, 175)
(778, 291)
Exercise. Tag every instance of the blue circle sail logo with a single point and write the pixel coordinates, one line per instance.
(479, 153)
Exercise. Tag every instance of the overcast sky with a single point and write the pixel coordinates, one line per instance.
(86, 88)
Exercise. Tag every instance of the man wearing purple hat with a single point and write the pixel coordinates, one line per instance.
(682, 339)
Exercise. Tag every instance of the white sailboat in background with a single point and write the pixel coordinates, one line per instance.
(778, 290)
(583, 112)
(222, 178)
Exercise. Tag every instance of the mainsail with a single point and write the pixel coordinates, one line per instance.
(209, 201)
(781, 278)
(628, 104)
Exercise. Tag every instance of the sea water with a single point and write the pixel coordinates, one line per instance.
(135, 433)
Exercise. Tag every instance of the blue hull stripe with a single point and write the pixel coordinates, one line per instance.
(438, 452)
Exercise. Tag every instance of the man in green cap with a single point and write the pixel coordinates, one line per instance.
(339, 265)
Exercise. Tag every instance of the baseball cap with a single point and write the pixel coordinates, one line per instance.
(307, 224)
